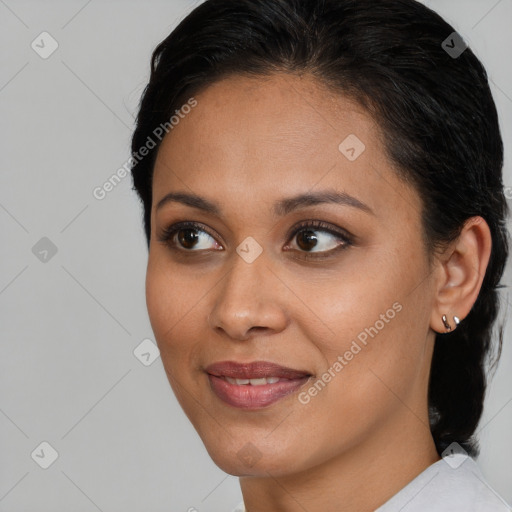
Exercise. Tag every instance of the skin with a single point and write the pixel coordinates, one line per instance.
(247, 144)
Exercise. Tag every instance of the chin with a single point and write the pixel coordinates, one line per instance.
(243, 457)
(262, 467)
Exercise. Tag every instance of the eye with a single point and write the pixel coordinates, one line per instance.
(332, 241)
(188, 237)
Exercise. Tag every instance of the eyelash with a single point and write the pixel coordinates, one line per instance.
(167, 234)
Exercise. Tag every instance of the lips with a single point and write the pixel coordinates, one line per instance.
(254, 370)
(254, 385)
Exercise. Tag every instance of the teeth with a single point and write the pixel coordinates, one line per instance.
(258, 382)
(253, 382)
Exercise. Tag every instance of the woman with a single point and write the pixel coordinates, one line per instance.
(325, 217)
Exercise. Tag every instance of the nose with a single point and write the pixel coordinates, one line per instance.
(249, 299)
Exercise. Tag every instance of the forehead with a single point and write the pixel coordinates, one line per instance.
(236, 117)
(254, 136)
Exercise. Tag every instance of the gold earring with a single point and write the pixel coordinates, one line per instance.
(446, 324)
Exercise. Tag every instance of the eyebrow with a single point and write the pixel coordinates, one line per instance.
(281, 208)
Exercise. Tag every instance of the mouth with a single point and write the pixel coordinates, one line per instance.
(254, 385)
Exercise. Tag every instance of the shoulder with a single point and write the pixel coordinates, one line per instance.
(448, 485)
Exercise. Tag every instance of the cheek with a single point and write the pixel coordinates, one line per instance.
(340, 307)
(177, 316)
(370, 329)
(170, 318)
(168, 293)
(159, 299)
(166, 299)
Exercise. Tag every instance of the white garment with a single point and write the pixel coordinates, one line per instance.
(449, 485)
(452, 484)
(239, 508)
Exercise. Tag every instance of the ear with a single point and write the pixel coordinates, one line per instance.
(461, 272)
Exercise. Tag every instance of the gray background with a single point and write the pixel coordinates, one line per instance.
(70, 324)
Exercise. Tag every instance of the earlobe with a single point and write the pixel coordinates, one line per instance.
(462, 265)
(447, 325)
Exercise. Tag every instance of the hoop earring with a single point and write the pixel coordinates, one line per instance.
(447, 326)
(456, 319)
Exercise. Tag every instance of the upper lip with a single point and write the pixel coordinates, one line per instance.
(254, 370)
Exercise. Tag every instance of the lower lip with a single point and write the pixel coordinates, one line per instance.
(253, 397)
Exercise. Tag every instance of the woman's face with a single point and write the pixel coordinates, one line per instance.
(347, 302)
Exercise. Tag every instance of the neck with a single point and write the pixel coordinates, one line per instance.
(360, 479)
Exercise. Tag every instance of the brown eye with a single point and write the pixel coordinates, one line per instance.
(307, 240)
(190, 237)
(187, 237)
(316, 239)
